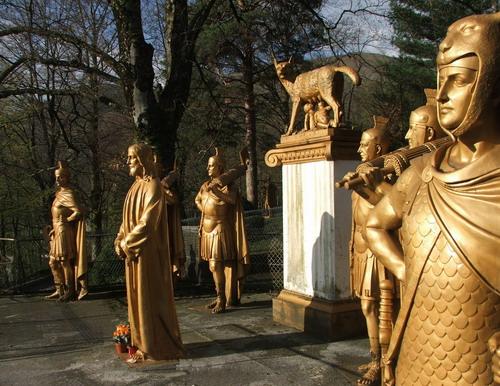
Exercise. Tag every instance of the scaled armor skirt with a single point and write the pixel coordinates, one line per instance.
(218, 245)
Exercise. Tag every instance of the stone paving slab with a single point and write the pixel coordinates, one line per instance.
(51, 343)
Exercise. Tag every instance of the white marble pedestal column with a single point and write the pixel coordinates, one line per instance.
(316, 233)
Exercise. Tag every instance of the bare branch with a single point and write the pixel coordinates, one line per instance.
(9, 70)
(76, 64)
(4, 93)
(117, 66)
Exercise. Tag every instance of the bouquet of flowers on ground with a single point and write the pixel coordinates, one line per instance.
(122, 334)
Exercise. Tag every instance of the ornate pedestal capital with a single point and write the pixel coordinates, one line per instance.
(315, 145)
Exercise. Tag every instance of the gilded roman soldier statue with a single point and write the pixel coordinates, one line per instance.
(366, 271)
(447, 205)
(169, 185)
(143, 243)
(67, 257)
(223, 241)
(424, 126)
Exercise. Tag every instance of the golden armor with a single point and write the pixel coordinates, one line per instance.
(142, 242)
(67, 257)
(366, 271)
(222, 233)
(447, 205)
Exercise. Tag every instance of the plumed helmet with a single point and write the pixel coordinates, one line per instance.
(218, 159)
(427, 115)
(474, 41)
(379, 133)
(63, 168)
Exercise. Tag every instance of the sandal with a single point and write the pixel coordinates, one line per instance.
(136, 357)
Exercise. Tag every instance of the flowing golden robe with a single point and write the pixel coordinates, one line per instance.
(151, 310)
(450, 238)
(68, 241)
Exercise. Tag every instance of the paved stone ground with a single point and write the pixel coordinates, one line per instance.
(50, 343)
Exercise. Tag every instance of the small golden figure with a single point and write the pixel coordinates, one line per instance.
(67, 256)
(142, 243)
(322, 116)
(222, 232)
(309, 122)
(270, 197)
(446, 205)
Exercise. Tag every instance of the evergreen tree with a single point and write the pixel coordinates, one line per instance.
(419, 26)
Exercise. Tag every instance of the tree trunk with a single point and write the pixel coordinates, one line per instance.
(250, 125)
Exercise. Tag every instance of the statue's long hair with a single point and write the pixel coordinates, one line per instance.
(145, 156)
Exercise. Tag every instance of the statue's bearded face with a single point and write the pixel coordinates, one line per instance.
(61, 178)
(135, 167)
(456, 87)
(368, 148)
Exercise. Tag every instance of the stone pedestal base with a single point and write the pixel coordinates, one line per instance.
(327, 319)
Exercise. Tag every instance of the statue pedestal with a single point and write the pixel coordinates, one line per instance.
(316, 233)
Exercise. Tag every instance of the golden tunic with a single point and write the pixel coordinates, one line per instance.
(151, 309)
(69, 236)
(222, 236)
(366, 270)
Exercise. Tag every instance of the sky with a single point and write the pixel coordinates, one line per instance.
(369, 18)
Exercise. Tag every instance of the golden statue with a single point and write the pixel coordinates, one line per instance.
(446, 205)
(223, 241)
(424, 126)
(177, 252)
(424, 135)
(142, 242)
(67, 257)
(366, 271)
(322, 116)
(323, 84)
(270, 198)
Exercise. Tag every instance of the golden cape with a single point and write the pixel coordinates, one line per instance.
(151, 309)
(177, 253)
(466, 204)
(67, 198)
(242, 251)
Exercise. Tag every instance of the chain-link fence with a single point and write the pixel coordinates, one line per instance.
(24, 263)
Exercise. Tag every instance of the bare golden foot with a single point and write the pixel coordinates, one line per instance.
(364, 367)
(220, 306)
(54, 296)
(372, 376)
(83, 292)
(212, 304)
